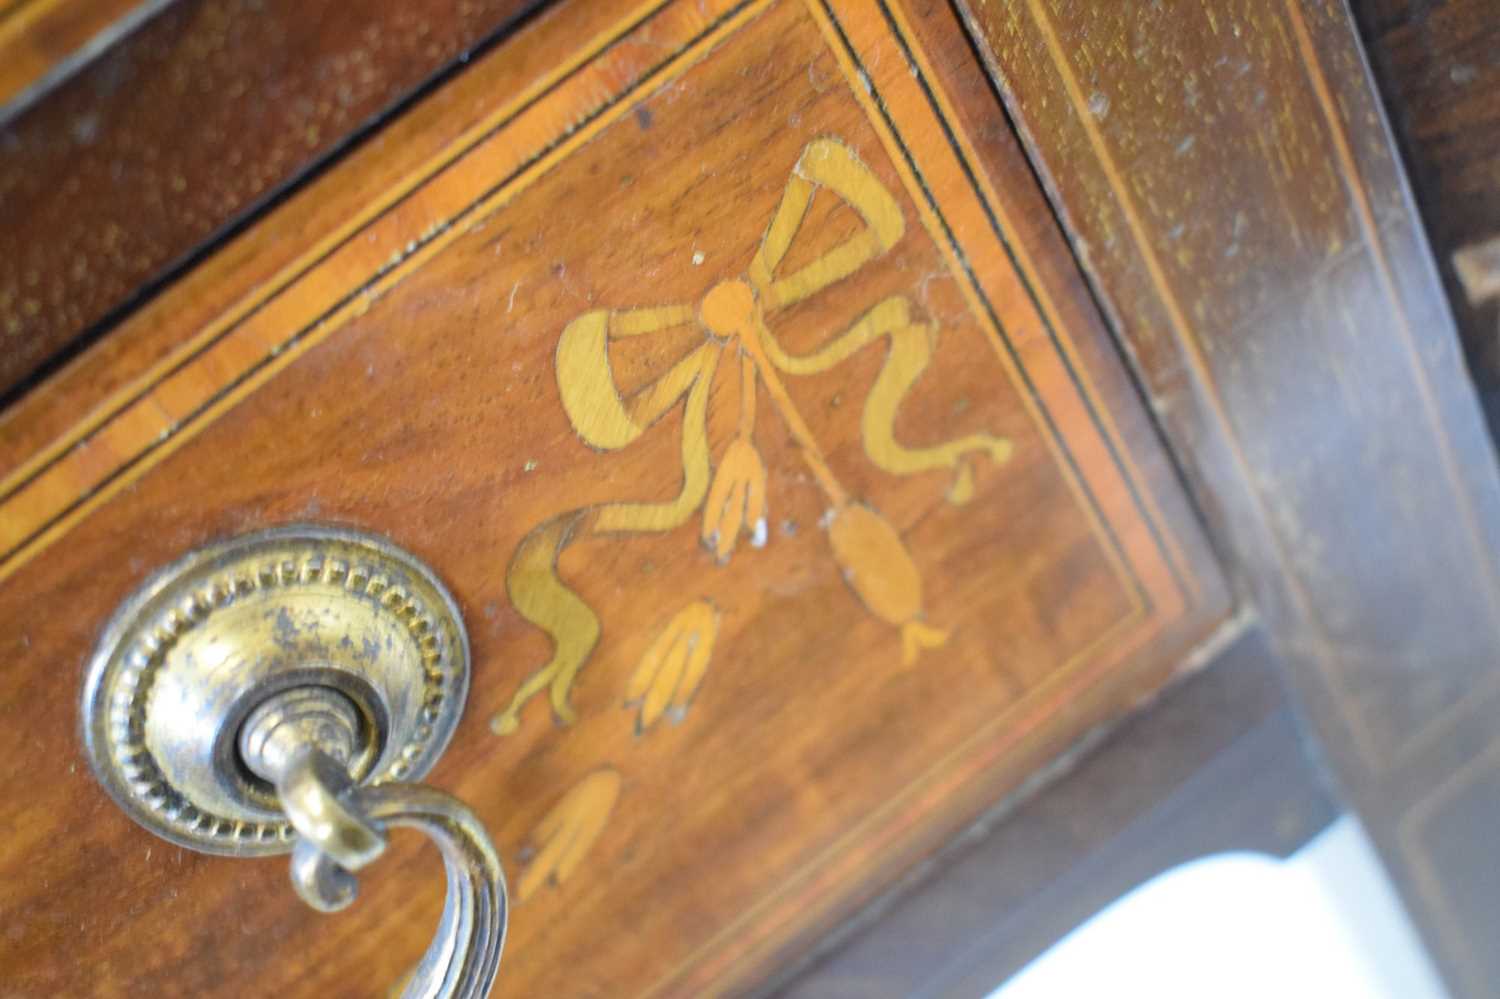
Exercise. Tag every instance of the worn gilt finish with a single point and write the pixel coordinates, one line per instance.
(278, 692)
(732, 334)
(192, 653)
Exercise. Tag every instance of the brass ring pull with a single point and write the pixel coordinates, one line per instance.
(331, 676)
(465, 954)
(296, 740)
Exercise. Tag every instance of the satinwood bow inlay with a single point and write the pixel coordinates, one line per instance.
(735, 318)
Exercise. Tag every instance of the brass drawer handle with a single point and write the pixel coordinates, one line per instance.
(280, 692)
(296, 740)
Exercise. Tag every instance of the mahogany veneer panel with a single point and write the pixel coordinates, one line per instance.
(528, 361)
(179, 130)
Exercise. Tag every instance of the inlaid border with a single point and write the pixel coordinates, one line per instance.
(52, 493)
(43, 42)
(814, 888)
(168, 415)
(1377, 756)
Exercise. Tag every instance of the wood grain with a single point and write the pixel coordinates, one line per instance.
(1226, 173)
(193, 121)
(1217, 765)
(405, 377)
(160, 335)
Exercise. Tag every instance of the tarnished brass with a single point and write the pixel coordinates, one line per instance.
(276, 693)
(299, 740)
(209, 639)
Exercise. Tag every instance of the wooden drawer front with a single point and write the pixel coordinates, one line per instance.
(711, 258)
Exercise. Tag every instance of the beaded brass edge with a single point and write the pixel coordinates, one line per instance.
(132, 650)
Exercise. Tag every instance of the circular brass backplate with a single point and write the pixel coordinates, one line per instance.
(203, 642)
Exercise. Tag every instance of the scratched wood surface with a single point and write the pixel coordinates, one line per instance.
(1228, 175)
(177, 132)
(724, 361)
